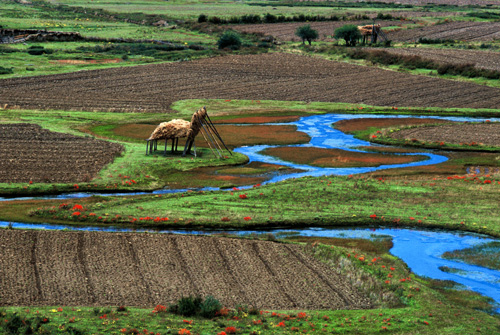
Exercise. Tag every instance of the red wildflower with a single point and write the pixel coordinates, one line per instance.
(77, 207)
(243, 196)
(222, 333)
(231, 330)
(76, 214)
(374, 136)
(76, 186)
(301, 315)
(247, 218)
(281, 324)
(31, 182)
(188, 321)
(487, 181)
(184, 331)
(373, 216)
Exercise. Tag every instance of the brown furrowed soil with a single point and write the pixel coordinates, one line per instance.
(348, 126)
(272, 76)
(286, 31)
(30, 153)
(461, 133)
(233, 136)
(488, 60)
(337, 157)
(440, 2)
(458, 30)
(98, 269)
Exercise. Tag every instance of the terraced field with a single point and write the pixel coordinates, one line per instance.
(273, 76)
(99, 269)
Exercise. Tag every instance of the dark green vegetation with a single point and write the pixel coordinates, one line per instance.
(229, 39)
(349, 33)
(306, 33)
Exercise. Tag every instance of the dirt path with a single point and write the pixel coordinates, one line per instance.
(95, 268)
(272, 76)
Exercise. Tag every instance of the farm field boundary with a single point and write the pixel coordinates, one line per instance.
(95, 269)
(273, 76)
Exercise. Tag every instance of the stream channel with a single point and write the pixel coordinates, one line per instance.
(420, 249)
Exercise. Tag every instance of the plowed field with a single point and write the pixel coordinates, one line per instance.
(458, 30)
(29, 152)
(93, 268)
(270, 76)
(482, 59)
(487, 134)
(440, 2)
(286, 31)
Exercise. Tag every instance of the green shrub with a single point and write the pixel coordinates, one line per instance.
(350, 33)
(5, 70)
(29, 68)
(306, 33)
(188, 306)
(210, 307)
(202, 18)
(37, 50)
(229, 39)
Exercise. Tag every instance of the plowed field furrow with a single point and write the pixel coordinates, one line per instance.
(85, 269)
(138, 269)
(258, 279)
(93, 268)
(114, 271)
(185, 265)
(272, 273)
(55, 286)
(333, 283)
(36, 272)
(163, 268)
(464, 31)
(267, 76)
(17, 277)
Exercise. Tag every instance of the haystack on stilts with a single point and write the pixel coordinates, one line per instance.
(372, 32)
(175, 129)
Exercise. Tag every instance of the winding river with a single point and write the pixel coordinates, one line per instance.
(420, 249)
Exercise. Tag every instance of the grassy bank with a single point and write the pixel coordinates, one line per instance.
(337, 201)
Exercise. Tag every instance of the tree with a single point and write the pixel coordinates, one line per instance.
(230, 39)
(306, 33)
(350, 33)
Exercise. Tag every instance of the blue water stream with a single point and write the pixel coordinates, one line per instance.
(421, 250)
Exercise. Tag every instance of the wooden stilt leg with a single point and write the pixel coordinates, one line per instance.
(185, 148)
(176, 143)
(165, 150)
(147, 147)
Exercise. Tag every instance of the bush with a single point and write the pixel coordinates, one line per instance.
(210, 307)
(5, 70)
(188, 306)
(202, 18)
(306, 33)
(350, 33)
(230, 39)
(37, 50)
